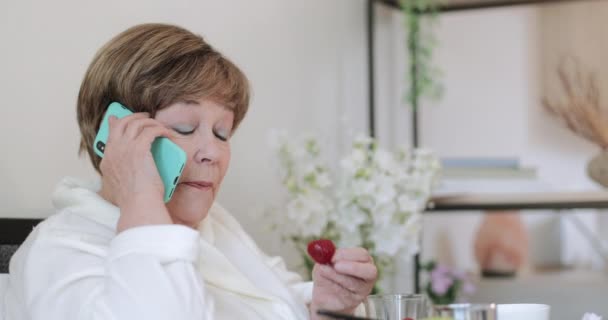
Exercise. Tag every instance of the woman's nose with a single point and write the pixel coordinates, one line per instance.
(207, 151)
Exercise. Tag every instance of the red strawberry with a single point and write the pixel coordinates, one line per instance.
(321, 250)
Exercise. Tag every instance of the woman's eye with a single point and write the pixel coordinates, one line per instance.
(183, 130)
(221, 136)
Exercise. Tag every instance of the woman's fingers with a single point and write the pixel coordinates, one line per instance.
(351, 254)
(150, 133)
(362, 270)
(118, 126)
(137, 127)
(346, 283)
(134, 128)
(349, 283)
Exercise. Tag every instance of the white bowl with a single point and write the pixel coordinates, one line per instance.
(523, 311)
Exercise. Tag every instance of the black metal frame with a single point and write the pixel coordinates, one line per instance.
(475, 5)
(508, 206)
(371, 67)
(414, 110)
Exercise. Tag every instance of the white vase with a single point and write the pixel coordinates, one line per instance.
(597, 168)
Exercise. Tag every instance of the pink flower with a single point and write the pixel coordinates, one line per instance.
(441, 285)
(441, 280)
(459, 274)
(441, 270)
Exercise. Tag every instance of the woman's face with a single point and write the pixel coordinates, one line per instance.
(203, 130)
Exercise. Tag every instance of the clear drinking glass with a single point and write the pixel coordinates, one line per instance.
(396, 306)
(465, 311)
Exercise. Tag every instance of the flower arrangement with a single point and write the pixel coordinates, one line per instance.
(447, 285)
(372, 199)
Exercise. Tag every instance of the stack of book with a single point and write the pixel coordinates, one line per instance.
(485, 168)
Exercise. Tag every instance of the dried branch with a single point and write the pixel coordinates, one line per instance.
(581, 112)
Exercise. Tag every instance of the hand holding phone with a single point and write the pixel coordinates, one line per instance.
(169, 158)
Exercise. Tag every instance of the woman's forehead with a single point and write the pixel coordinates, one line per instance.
(191, 108)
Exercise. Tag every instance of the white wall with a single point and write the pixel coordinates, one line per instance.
(305, 59)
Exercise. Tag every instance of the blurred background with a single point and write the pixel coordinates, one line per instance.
(308, 65)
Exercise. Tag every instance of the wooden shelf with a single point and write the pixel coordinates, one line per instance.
(461, 5)
(519, 201)
(466, 201)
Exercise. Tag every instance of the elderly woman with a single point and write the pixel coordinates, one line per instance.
(115, 250)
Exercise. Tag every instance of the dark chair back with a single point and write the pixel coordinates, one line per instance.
(12, 233)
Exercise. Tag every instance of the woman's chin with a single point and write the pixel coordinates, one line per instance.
(189, 209)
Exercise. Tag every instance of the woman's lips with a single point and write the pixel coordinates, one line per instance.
(201, 185)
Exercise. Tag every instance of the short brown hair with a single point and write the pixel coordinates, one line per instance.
(150, 66)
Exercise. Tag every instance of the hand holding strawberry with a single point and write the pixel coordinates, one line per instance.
(321, 250)
(342, 278)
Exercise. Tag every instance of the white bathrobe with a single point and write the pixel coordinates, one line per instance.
(74, 266)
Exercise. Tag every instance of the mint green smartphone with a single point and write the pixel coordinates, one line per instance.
(170, 159)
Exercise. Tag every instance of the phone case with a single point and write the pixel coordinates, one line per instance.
(170, 159)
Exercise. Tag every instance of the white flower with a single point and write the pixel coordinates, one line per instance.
(323, 180)
(406, 204)
(350, 239)
(308, 168)
(362, 140)
(308, 213)
(299, 152)
(384, 160)
(388, 239)
(376, 199)
(383, 215)
(385, 189)
(360, 188)
(353, 162)
(409, 203)
(412, 229)
(349, 218)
